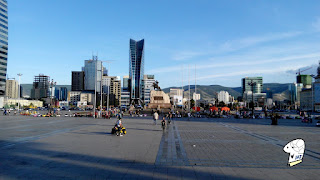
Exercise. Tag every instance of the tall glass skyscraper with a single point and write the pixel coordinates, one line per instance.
(257, 88)
(92, 73)
(3, 45)
(136, 69)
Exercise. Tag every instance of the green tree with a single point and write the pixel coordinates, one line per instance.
(192, 103)
(222, 104)
(6, 106)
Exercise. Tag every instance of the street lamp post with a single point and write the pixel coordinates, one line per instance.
(108, 61)
(313, 76)
(252, 84)
(95, 58)
(52, 83)
(19, 92)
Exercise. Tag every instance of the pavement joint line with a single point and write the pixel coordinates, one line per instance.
(271, 141)
(48, 122)
(171, 151)
(40, 136)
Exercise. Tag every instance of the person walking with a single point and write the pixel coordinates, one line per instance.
(163, 123)
(170, 117)
(155, 117)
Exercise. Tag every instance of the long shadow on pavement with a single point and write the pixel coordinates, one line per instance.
(281, 122)
(33, 161)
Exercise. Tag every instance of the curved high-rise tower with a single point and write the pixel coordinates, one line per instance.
(3, 45)
(136, 70)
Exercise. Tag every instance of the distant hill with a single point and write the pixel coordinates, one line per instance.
(275, 87)
(207, 92)
(26, 88)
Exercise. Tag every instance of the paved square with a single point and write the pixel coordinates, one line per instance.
(83, 148)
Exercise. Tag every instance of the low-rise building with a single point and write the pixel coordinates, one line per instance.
(196, 96)
(22, 102)
(259, 99)
(224, 97)
(87, 98)
(176, 96)
(74, 97)
(63, 104)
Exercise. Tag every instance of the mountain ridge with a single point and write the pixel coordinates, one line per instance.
(207, 92)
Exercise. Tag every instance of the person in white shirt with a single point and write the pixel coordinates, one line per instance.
(119, 126)
(155, 117)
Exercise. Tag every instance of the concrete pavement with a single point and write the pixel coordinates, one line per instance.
(83, 148)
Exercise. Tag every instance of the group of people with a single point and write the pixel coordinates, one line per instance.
(7, 112)
(169, 116)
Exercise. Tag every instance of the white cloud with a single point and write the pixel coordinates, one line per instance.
(249, 72)
(184, 55)
(312, 69)
(246, 42)
(226, 62)
(234, 45)
(316, 24)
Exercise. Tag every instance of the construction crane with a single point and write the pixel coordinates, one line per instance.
(299, 72)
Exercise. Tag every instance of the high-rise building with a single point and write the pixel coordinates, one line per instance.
(306, 100)
(53, 92)
(306, 80)
(113, 85)
(147, 87)
(92, 72)
(3, 45)
(295, 90)
(125, 93)
(12, 89)
(257, 88)
(136, 70)
(316, 91)
(125, 81)
(257, 97)
(40, 87)
(77, 81)
(63, 94)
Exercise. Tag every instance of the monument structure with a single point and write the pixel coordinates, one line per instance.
(158, 98)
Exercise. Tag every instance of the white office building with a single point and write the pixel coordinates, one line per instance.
(224, 97)
(147, 87)
(176, 96)
(196, 97)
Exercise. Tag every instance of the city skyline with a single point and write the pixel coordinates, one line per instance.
(268, 39)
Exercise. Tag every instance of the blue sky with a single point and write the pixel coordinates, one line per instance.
(226, 40)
